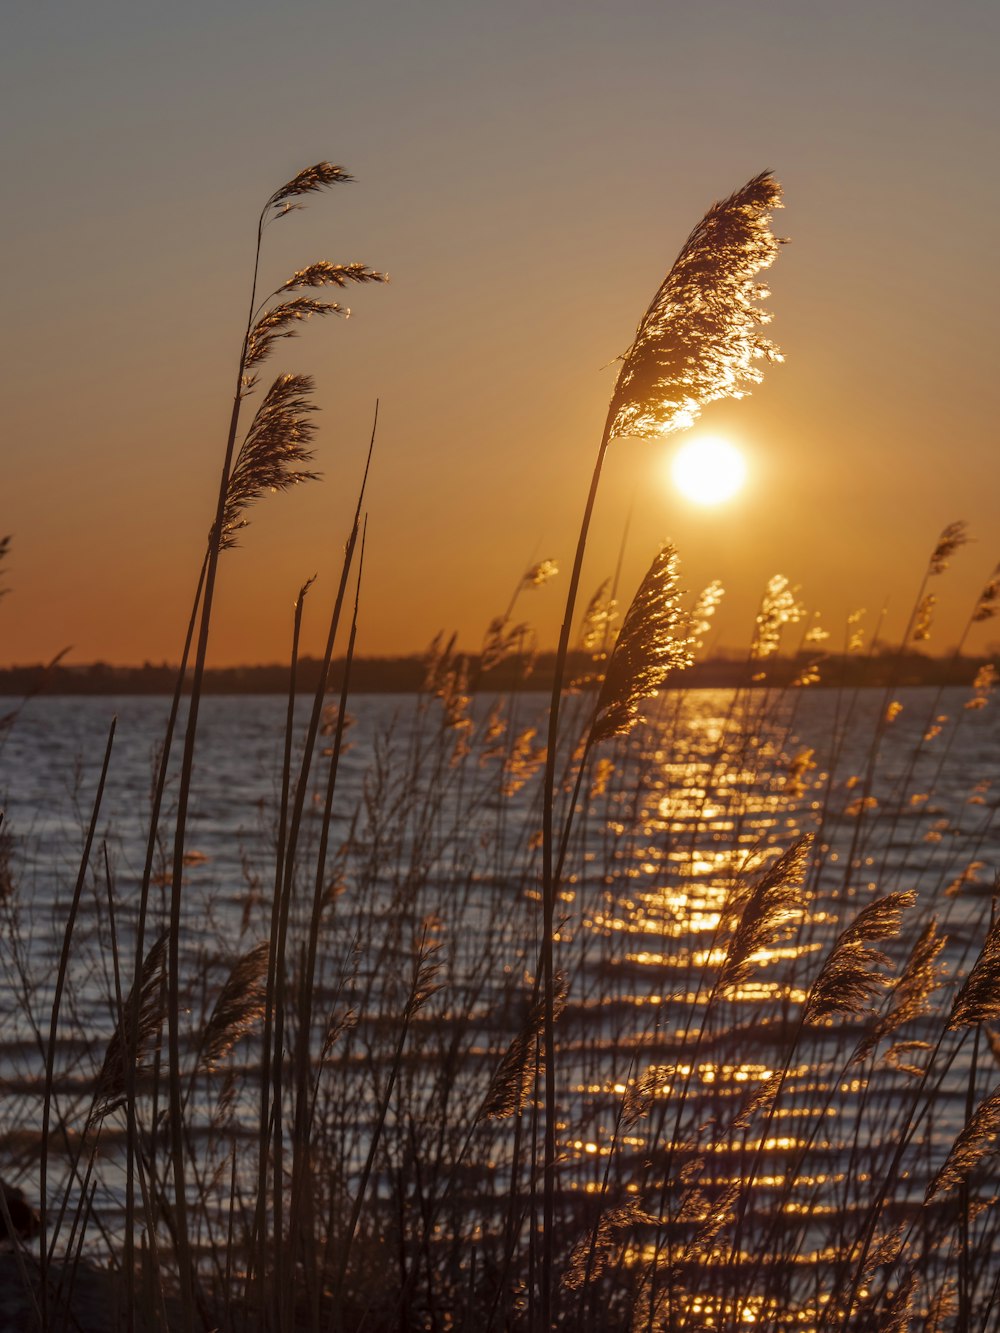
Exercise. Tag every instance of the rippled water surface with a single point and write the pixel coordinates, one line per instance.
(434, 849)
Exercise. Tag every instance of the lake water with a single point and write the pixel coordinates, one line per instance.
(434, 845)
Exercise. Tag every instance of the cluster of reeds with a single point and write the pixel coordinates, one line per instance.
(624, 1011)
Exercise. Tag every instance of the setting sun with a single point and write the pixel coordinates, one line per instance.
(708, 470)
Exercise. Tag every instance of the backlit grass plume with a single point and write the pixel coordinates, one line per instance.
(323, 273)
(773, 902)
(976, 1141)
(318, 177)
(979, 999)
(279, 438)
(652, 643)
(238, 1008)
(848, 978)
(952, 539)
(281, 321)
(139, 1027)
(699, 340)
(917, 982)
(511, 1084)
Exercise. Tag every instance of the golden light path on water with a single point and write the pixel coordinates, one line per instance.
(655, 937)
(714, 1139)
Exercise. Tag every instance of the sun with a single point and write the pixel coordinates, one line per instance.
(708, 470)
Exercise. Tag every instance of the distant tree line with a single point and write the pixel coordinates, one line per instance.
(404, 675)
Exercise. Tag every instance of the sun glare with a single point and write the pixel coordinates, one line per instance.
(708, 470)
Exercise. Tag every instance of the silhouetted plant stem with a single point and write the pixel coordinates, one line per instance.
(302, 1067)
(131, 1132)
(550, 891)
(46, 1250)
(183, 797)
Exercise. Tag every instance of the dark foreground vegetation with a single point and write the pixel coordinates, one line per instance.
(645, 1014)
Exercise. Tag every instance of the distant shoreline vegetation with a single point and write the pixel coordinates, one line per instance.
(407, 675)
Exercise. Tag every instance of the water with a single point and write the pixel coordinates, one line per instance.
(434, 850)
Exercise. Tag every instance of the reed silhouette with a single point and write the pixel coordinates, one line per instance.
(653, 1009)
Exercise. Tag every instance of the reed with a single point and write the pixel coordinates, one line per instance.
(622, 1009)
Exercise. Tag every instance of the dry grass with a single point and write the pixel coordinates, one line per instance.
(591, 1035)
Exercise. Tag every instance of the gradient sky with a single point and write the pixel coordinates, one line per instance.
(526, 173)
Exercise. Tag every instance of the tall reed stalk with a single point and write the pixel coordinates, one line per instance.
(276, 439)
(697, 342)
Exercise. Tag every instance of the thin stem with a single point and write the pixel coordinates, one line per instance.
(550, 890)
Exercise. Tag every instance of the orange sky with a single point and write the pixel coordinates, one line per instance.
(526, 174)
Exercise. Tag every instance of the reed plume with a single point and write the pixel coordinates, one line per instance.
(986, 606)
(282, 321)
(899, 1311)
(976, 1141)
(952, 539)
(279, 438)
(592, 1255)
(779, 607)
(600, 614)
(239, 1007)
(701, 614)
(652, 643)
(942, 1309)
(511, 1084)
(318, 177)
(762, 1096)
(502, 641)
(699, 339)
(540, 573)
(136, 1035)
(920, 977)
(978, 1001)
(924, 619)
(774, 900)
(637, 1100)
(324, 273)
(848, 979)
(4, 552)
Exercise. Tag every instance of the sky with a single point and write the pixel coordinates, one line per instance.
(526, 174)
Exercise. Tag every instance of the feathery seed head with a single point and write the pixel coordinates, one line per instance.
(514, 1077)
(976, 1141)
(278, 439)
(142, 1018)
(779, 607)
(924, 618)
(978, 1001)
(600, 615)
(318, 177)
(986, 607)
(952, 539)
(282, 321)
(848, 979)
(776, 899)
(702, 612)
(540, 573)
(983, 686)
(652, 643)
(917, 982)
(324, 273)
(239, 1006)
(592, 1255)
(699, 339)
